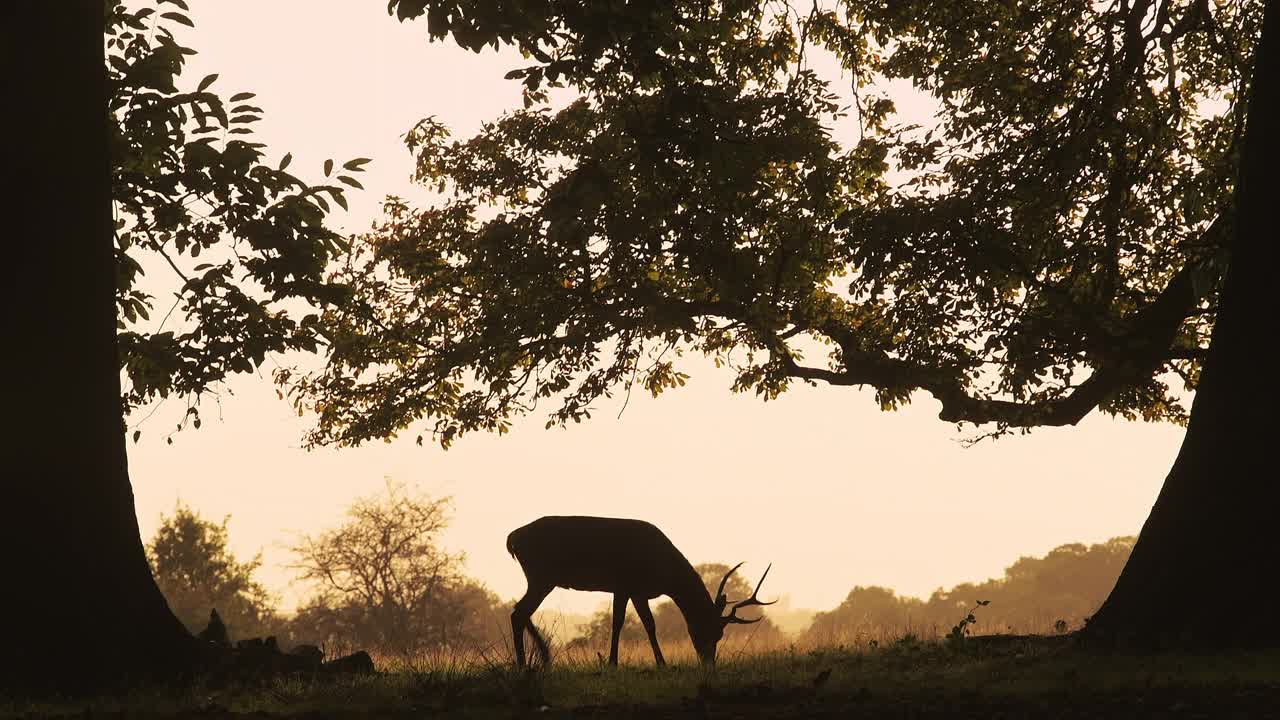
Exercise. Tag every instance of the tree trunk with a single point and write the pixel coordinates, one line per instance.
(82, 606)
(1203, 571)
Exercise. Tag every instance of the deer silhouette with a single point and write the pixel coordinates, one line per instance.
(632, 559)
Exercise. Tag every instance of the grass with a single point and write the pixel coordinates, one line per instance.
(930, 678)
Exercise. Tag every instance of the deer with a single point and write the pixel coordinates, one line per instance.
(632, 559)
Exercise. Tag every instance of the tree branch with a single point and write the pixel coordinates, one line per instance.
(1123, 360)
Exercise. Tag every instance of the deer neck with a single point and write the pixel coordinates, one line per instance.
(693, 600)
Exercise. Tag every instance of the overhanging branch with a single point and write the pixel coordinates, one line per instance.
(1123, 360)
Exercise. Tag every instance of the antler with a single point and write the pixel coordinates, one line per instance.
(732, 618)
(720, 599)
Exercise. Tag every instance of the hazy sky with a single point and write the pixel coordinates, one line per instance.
(821, 483)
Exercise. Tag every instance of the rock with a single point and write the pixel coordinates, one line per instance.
(309, 651)
(310, 654)
(357, 663)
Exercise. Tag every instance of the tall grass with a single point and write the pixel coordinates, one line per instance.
(483, 682)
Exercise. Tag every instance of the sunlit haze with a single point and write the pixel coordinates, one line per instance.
(832, 491)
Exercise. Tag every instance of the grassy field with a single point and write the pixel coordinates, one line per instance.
(909, 678)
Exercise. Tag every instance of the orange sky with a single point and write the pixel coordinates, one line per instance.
(821, 483)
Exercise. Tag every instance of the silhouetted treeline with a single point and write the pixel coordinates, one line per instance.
(379, 581)
(1036, 595)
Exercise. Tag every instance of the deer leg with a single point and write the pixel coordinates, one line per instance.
(619, 617)
(522, 619)
(651, 629)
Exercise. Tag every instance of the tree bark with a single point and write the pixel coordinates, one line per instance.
(1203, 571)
(83, 608)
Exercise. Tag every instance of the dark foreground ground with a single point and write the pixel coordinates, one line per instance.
(1044, 678)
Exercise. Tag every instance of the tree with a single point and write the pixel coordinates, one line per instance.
(385, 583)
(197, 573)
(97, 122)
(1059, 244)
(867, 613)
(1067, 584)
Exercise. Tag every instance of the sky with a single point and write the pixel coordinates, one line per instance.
(821, 483)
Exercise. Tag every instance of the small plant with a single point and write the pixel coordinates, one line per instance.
(1061, 626)
(909, 641)
(961, 629)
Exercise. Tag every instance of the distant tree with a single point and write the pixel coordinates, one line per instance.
(197, 572)
(867, 613)
(1084, 226)
(117, 157)
(465, 616)
(1067, 584)
(1070, 583)
(384, 582)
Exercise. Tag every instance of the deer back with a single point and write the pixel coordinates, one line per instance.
(602, 554)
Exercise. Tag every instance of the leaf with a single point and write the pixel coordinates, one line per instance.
(328, 167)
(137, 434)
(284, 161)
(355, 165)
(206, 82)
(178, 18)
(350, 181)
(242, 96)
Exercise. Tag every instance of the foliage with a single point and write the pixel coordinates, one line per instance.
(384, 583)
(1066, 585)
(191, 191)
(1054, 246)
(670, 625)
(961, 630)
(197, 573)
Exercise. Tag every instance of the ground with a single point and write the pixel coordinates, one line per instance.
(1042, 678)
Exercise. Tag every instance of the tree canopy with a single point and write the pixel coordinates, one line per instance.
(192, 195)
(1052, 244)
(382, 580)
(197, 572)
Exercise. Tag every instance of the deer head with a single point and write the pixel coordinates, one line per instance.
(707, 633)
